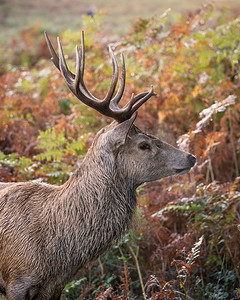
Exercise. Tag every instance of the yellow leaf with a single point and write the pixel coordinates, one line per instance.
(196, 91)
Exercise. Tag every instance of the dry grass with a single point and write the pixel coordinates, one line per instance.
(62, 14)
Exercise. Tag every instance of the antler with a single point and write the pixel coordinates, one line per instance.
(109, 105)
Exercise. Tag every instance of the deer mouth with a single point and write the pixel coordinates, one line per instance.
(182, 171)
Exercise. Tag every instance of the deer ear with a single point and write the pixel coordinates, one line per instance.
(120, 132)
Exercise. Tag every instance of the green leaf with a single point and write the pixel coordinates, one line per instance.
(52, 143)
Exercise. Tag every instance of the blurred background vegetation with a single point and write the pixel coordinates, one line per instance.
(59, 15)
(185, 241)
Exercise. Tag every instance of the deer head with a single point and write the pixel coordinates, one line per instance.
(138, 156)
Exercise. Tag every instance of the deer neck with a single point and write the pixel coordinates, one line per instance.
(104, 203)
(102, 183)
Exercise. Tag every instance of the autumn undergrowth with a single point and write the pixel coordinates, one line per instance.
(185, 238)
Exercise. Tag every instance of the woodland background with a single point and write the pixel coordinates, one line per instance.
(185, 241)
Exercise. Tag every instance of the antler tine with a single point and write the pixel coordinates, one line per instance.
(82, 55)
(77, 92)
(129, 109)
(134, 99)
(82, 67)
(54, 58)
(75, 82)
(109, 105)
(68, 75)
(114, 77)
(114, 102)
(144, 97)
(80, 89)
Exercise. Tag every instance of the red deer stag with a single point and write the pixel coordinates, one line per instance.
(47, 232)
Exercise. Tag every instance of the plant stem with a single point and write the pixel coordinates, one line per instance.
(210, 170)
(138, 270)
(233, 146)
(101, 266)
(125, 269)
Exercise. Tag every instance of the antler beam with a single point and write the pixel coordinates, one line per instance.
(109, 105)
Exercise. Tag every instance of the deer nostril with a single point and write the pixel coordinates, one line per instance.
(192, 159)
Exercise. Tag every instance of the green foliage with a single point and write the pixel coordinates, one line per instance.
(24, 164)
(214, 48)
(65, 106)
(8, 160)
(223, 281)
(57, 149)
(72, 289)
(52, 143)
(211, 214)
(182, 208)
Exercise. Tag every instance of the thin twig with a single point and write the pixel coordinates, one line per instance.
(139, 271)
(101, 266)
(233, 145)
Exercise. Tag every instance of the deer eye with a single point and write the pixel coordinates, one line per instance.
(144, 146)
